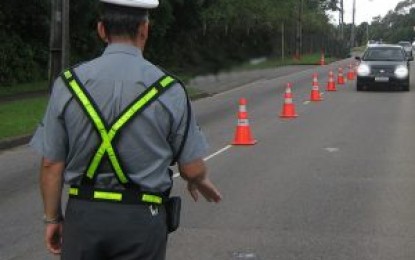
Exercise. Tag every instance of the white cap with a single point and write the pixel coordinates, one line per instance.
(145, 4)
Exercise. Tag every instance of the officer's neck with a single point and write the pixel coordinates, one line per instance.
(138, 43)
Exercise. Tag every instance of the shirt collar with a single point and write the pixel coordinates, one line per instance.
(123, 48)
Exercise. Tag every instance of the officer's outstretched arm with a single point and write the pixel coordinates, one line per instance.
(197, 181)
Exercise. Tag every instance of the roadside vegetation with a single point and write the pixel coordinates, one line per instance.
(218, 36)
(21, 117)
(24, 88)
(266, 63)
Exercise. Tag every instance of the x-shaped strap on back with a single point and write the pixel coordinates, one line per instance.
(108, 133)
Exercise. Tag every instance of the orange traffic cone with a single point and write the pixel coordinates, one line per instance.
(331, 85)
(288, 108)
(243, 135)
(315, 92)
(340, 77)
(351, 75)
(322, 61)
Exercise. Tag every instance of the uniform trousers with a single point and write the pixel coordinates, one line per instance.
(110, 231)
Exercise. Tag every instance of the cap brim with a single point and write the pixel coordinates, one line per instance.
(145, 4)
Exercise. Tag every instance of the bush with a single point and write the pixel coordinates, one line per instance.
(17, 61)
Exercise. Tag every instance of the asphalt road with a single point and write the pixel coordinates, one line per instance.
(336, 183)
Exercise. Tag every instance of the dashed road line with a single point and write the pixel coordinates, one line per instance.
(224, 149)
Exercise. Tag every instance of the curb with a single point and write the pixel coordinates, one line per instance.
(14, 142)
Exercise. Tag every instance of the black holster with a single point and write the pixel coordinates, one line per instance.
(173, 208)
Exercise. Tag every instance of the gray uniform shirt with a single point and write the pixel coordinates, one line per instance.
(146, 145)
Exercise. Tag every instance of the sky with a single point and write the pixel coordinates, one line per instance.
(365, 10)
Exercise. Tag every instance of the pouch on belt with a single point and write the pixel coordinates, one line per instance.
(173, 208)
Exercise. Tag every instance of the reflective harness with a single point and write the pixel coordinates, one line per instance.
(107, 134)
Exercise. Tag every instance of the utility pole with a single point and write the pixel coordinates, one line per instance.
(352, 34)
(341, 20)
(299, 40)
(65, 34)
(283, 41)
(59, 39)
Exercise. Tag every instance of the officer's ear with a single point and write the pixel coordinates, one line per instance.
(101, 32)
(143, 31)
(142, 35)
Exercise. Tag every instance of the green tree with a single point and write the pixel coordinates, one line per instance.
(187, 36)
(24, 30)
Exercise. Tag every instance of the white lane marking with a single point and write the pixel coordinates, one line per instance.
(217, 153)
(331, 149)
(306, 102)
(208, 157)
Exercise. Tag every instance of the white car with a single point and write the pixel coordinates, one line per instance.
(407, 46)
(384, 66)
(371, 43)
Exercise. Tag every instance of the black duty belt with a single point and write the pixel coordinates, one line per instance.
(119, 196)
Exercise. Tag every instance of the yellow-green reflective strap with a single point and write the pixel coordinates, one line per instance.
(105, 195)
(151, 199)
(67, 74)
(138, 105)
(166, 81)
(107, 137)
(130, 112)
(106, 141)
(121, 122)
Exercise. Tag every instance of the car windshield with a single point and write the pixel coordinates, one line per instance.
(405, 44)
(383, 54)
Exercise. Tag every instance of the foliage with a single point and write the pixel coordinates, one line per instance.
(85, 44)
(187, 36)
(24, 29)
(395, 26)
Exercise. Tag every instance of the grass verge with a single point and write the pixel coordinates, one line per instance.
(21, 117)
(23, 88)
(309, 59)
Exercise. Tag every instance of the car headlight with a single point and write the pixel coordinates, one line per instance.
(363, 70)
(401, 72)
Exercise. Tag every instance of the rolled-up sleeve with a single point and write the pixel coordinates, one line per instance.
(195, 144)
(50, 138)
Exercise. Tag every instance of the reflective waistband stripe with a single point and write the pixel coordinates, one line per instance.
(106, 147)
(73, 191)
(107, 195)
(116, 196)
(151, 199)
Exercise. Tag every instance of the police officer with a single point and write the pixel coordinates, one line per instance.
(112, 128)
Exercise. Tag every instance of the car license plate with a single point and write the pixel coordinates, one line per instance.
(382, 79)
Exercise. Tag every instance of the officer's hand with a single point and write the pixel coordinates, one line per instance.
(53, 238)
(206, 188)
